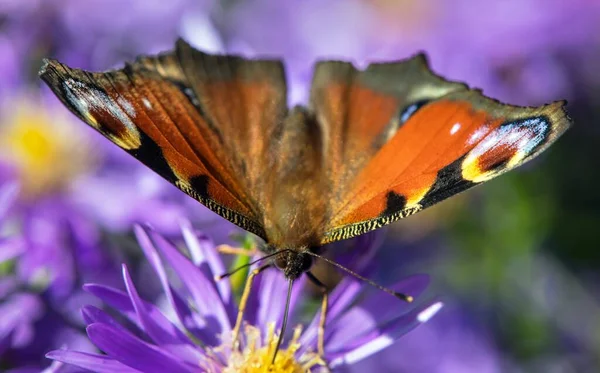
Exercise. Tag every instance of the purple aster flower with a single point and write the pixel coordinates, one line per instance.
(192, 333)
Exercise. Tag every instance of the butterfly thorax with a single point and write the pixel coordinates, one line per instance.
(296, 191)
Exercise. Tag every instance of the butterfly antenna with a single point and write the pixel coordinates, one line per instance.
(235, 270)
(285, 319)
(401, 296)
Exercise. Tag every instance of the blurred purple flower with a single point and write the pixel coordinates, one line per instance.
(44, 152)
(116, 29)
(101, 182)
(125, 192)
(36, 298)
(10, 249)
(94, 34)
(512, 49)
(9, 66)
(61, 242)
(194, 333)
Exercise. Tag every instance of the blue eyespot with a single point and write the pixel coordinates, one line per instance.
(411, 109)
(531, 131)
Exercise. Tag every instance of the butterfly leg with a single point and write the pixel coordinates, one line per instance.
(226, 249)
(244, 302)
(323, 318)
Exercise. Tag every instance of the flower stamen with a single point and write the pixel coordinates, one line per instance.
(254, 354)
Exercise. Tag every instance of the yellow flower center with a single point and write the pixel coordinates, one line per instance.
(256, 354)
(45, 149)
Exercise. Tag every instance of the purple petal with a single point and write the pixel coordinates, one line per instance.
(271, 296)
(11, 248)
(339, 300)
(133, 352)
(5, 341)
(266, 303)
(202, 250)
(163, 333)
(386, 306)
(348, 328)
(55, 367)
(186, 319)
(8, 195)
(383, 337)
(376, 308)
(298, 294)
(343, 295)
(372, 312)
(121, 301)
(199, 283)
(194, 323)
(358, 253)
(252, 306)
(7, 286)
(114, 298)
(92, 315)
(191, 321)
(18, 313)
(154, 258)
(93, 362)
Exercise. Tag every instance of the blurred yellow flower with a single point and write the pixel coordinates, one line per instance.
(46, 149)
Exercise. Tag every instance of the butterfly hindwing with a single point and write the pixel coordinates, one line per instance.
(445, 145)
(196, 119)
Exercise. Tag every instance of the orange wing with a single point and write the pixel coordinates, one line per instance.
(200, 121)
(417, 140)
(362, 110)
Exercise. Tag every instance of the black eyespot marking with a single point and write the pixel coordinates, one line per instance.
(200, 185)
(449, 181)
(411, 109)
(497, 165)
(151, 155)
(395, 202)
(511, 143)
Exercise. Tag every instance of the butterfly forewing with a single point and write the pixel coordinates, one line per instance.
(194, 118)
(446, 146)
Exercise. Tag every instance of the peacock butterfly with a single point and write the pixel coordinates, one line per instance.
(372, 147)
